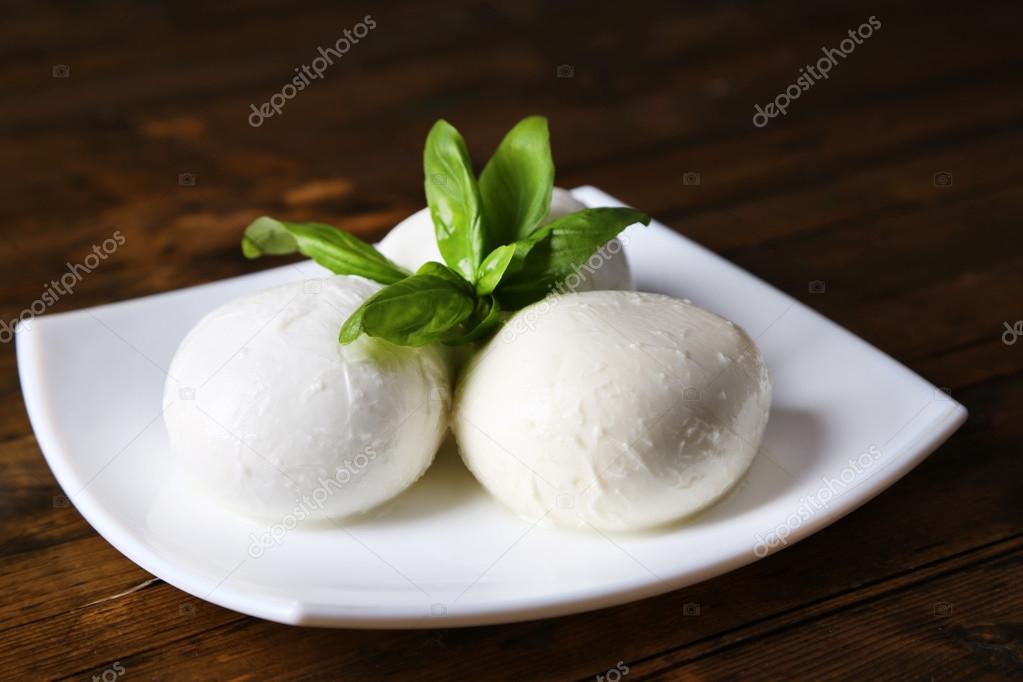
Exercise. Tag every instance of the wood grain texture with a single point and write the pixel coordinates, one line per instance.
(922, 583)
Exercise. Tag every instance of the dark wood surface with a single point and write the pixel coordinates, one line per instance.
(923, 583)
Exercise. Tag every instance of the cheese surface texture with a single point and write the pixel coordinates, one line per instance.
(266, 411)
(612, 410)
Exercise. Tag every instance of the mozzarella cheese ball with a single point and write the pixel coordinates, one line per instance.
(269, 414)
(412, 243)
(613, 410)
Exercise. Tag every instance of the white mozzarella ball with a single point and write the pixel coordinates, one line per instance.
(612, 410)
(269, 414)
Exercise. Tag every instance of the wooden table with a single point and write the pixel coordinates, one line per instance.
(896, 182)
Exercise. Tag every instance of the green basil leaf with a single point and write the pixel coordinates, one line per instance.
(266, 236)
(416, 311)
(493, 267)
(352, 327)
(560, 248)
(454, 199)
(517, 182)
(444, 272)
(338, 251)
(522, 249)
(484, 319)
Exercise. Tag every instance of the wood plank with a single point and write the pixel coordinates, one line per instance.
(963, 624)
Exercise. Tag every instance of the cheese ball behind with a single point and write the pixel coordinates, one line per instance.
(612, 410)
(412, 243)
(269, 414)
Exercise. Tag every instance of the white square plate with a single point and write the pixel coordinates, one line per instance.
(847, 422)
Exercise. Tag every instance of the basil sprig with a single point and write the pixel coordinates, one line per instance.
(339, 252)
(499, 256)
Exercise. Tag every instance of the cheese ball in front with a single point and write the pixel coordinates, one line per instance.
(266, 412)
(612, 410)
